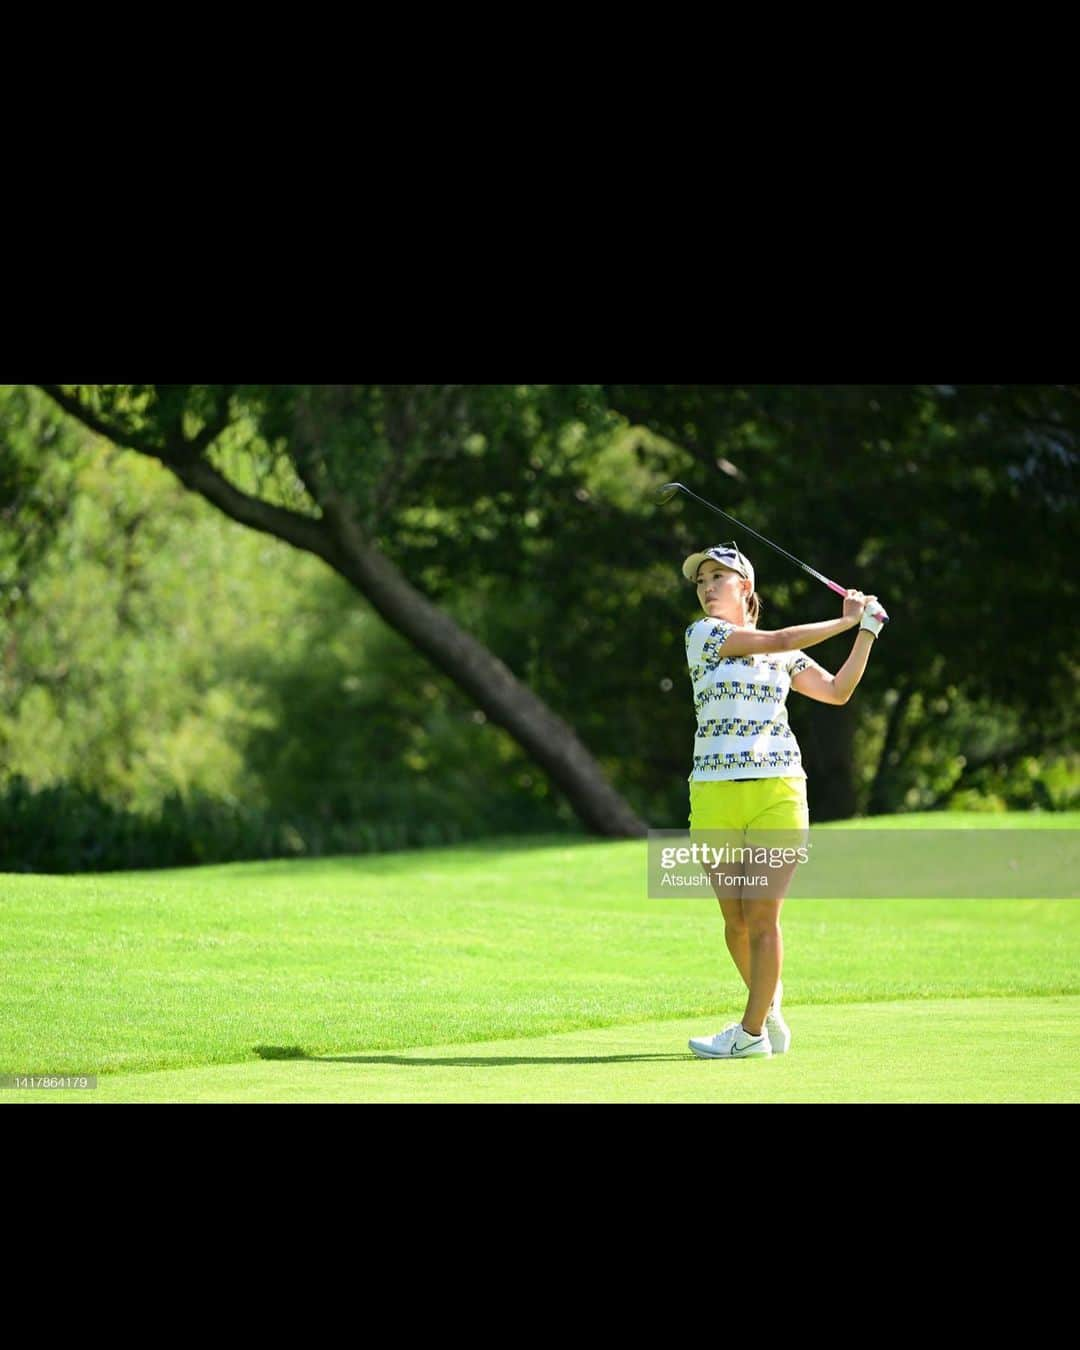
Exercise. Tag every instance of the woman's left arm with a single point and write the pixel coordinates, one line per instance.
(816, 682)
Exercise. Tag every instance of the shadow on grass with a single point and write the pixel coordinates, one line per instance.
(490, 1061)
(454, 1062)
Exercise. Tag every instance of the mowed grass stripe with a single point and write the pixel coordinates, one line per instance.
(514, 938)
(957, 1051)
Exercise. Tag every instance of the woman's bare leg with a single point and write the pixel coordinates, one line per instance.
(766, 959)
(753, 936)
(766, 941)
(735, 931)
(737, 936)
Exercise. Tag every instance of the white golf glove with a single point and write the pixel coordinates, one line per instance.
(874, 617)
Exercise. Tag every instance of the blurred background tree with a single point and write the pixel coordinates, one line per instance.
(176, 688)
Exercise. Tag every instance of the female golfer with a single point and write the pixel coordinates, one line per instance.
(748, 774)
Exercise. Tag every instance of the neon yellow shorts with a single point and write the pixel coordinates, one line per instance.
(749, 803)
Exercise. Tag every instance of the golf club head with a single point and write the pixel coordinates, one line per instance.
(668, 491)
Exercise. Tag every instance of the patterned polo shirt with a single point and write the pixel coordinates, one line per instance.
(741, 707)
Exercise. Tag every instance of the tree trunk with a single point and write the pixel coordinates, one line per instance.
(544, 736)
(336, 538)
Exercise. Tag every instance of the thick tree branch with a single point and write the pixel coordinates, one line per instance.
(99, 425)
(303, 531)
(549, 740)
(200, 476)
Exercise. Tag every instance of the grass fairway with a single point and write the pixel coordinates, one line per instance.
(528, 970)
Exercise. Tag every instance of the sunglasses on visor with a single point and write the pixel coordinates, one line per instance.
(730, 547)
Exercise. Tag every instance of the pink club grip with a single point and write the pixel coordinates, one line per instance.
(878, 613)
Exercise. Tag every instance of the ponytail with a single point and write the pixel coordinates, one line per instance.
(753, 610)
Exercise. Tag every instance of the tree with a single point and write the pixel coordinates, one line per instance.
(522, 518)
(337, 470)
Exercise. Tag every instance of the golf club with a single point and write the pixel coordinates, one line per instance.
(669, 490)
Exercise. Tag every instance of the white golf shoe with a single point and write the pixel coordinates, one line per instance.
(776, 1028)
(731, 1043)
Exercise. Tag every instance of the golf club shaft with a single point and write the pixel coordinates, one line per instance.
(832, 585)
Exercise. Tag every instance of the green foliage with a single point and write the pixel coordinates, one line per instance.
(152, 651)
(39, 452)
(180, 689)
(70, 829)
(961, 754)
